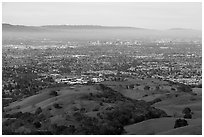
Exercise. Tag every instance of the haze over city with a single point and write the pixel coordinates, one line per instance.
(141, 15)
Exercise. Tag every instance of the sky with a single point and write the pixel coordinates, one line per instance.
(136, 14)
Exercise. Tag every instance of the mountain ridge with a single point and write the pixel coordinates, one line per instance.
(71, 26)
(90, 26)
(91, 32)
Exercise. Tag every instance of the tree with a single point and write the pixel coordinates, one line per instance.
(187, 113)
(187, 116)
(146, 88)
(53, 93)
(37, 124)
(157, 87)
(186, 110)
(57, 106)
(184, 88)
(180, 123)
(38, 110)
(131, 86)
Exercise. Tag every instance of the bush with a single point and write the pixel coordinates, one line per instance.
(187, 116)
(155, 113)
(193, 98)
(38, 110)
(58, 130)
(83, 110)
(57, 106)
(145, 95)
(131, 86)
(37, 124)
(157, 87)
(184, 88)
(91, 94)
(101, 103)
(74, 108)
(96, 108)
(53, 93)
(78, 116)
(200, 86)
(146, 87)
(180, 123)
(186, 110)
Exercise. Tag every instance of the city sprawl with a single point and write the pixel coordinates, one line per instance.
(29, 68)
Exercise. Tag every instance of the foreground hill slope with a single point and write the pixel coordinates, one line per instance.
(160, 126)
(94, 109)
(130, 106)
(171, 97)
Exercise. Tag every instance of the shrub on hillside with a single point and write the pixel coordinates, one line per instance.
(57, 106)
(155, 113)
(157, 87)
(186, 110)
(187, 113)
(37, 124)
(180, 123)
(173, 89)
(146, 87)
(187, 116)
(53, 93)
(38, 110)
(184, 88)
(131, 86)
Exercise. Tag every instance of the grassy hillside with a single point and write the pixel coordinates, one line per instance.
(172, 98)
(112, 107)
(157, 126)
(95, 109)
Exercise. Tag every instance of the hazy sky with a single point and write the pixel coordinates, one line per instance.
(143, 15)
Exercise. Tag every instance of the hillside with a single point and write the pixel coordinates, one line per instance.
(160, 126)
(94, 109)
(107, 108)
(166, 96)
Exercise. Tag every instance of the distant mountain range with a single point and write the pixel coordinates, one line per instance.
(92, 32)
(6, 26)
(9, 26)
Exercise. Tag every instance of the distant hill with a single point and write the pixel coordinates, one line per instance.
(9, 27)
(91, 32)
(19, 28)
(85, 27)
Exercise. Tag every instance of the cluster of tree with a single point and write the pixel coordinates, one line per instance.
(53, 93)
(108, 95)
(25, 85)
(187, 113)
(196, 86)
(184, 88)
(180, 123)
(29, 122)
(146, 87)
(25, 82)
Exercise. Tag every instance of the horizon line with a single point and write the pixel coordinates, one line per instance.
(176, 28)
